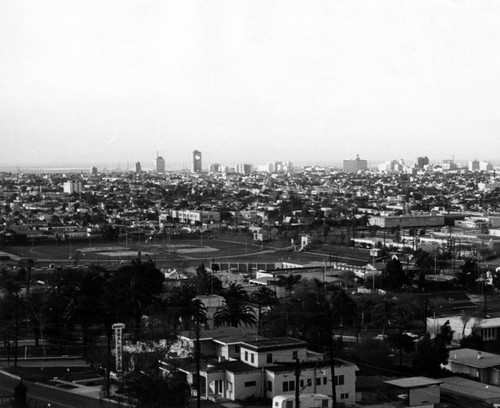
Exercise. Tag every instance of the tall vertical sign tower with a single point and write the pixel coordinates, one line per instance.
(118, 328)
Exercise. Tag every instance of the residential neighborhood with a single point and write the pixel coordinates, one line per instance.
(251, 287)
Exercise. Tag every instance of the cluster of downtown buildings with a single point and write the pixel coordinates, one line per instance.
(159, 166)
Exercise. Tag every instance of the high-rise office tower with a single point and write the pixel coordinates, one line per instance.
(196, 162)
(159, 164)
(138, 167)
(352, 166)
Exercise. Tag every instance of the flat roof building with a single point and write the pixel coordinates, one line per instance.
(407, 221)
(353, 166)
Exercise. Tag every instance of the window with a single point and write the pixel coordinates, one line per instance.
(237, 349)
(269, 358)
(246, 355)
(250, 383)
(339, 380)
(276, 404)
(288, 385)
(295, 354)
(324, 380)
(324, 403)
(251, 357)
(289, 404)
(301, 383)
(269, 385)
(344, 396)
(318, 381)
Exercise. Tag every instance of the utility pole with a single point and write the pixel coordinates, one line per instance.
(297, 383)
(332, 362)
(297, 378)
(198, 352)
(16, 339)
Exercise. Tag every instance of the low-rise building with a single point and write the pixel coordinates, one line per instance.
(477, 364)
(407, 221)
(240, 367)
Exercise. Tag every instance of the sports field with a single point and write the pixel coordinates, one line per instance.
(176, 252)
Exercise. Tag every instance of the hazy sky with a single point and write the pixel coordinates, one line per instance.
(111, 81)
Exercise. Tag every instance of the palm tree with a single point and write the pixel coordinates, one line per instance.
(234, 315)
(264, 296)
(289, 281)
(235, 292)
(236, 309)
(206, 282)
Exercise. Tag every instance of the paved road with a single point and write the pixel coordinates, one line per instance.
(40, 395)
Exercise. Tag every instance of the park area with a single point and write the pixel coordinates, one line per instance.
(178, 252)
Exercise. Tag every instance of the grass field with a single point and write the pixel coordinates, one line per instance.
(177, 252)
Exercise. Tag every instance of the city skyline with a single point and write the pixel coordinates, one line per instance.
(186, 166)
(314, 83)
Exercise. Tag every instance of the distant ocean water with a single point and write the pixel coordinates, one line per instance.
(84, 168)
(45, 170)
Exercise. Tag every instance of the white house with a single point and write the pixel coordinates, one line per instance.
(238, 368)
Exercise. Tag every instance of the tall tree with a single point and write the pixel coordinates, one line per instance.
(432, 353)
(84, 306)
(138, 285)
(394, 276)
(207, 283)
(264, 296)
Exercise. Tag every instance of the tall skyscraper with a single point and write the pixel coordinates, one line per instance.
(196, 162)
(138, 167)
(159, 164)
